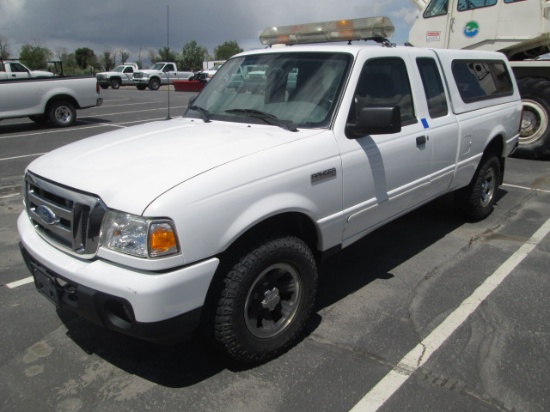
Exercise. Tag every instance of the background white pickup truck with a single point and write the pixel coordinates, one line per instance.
(161, 73)
(16, 70)
(122, 75)
(55, 100)
(220, 219)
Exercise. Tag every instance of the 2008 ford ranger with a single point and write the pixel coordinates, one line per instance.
(220, 218)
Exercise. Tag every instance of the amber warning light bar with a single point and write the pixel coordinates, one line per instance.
(369, 28)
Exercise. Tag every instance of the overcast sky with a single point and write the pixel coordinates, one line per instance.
(135, 25)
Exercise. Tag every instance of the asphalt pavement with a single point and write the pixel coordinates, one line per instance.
(428, 313)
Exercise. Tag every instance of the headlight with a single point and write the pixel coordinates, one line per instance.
(138, 236)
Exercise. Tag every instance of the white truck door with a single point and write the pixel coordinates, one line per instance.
(18, 71)
(473, 22)
(170, 72)
(383, 175)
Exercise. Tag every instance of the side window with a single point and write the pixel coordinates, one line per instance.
(512, 1)
(384, 82)
(16, 67)
(436, 8)
(481, 80)
(169, 68)
(433, 87)
(464, 5)
(128, 70)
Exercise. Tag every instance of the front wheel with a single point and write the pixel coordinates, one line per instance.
(154, 84)
(141, 86)
(266, 300)
(115, 83)
(476, 201)
(61, 113)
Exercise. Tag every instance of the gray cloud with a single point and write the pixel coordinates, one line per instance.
(140, 24)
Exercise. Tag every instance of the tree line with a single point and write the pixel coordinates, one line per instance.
(85, 60)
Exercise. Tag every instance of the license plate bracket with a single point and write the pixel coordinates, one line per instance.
(46, 284)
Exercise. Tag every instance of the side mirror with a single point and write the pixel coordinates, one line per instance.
(376, 120)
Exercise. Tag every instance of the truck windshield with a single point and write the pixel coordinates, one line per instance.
(290, 90)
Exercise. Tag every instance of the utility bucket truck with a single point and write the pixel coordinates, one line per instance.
(518, 28)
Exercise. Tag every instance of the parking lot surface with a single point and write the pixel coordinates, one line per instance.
(428, 313)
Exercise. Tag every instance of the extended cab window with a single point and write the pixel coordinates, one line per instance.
(384, 82)
(433, 87)
(481, 80)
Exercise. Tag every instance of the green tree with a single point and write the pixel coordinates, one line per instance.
(226, 50)
(85, 57)
(35, 56)
(107, 60)
(166, 55)
(4, 48)
(193, 55)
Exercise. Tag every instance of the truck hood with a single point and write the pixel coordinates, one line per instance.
(130, 168)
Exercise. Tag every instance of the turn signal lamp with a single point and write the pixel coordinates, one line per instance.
(162, 240)
(368, 28)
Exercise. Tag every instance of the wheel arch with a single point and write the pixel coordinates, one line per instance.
(284, 224)
(62, 97)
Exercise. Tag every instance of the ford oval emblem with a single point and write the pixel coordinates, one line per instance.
(46, 214)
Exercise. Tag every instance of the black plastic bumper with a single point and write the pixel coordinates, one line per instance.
(111, 312)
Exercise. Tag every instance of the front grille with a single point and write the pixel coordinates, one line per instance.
(68, 219)
(138, 75)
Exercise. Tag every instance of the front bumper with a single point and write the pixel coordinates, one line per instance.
(143, 80)
(152, 306)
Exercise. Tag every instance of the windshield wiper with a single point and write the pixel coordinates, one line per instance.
(203, 112)
(266, 117)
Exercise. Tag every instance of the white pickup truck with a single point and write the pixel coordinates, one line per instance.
(55, 100)
(16, 70)
(161, 73)
(220, 218)
(122, 75)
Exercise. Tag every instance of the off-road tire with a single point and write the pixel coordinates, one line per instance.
(266, 300)
(476, 201)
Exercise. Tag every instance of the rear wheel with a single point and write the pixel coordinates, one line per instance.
(61, 113)
(476, 201)
(534, 139)
(266, 300)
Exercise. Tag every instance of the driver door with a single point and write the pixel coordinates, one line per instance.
(384, 175)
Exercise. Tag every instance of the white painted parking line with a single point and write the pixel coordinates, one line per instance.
(21, 157)
(18, 283)
(417, 357)
(526, 188)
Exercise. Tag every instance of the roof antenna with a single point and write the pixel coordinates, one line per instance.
(168, 49)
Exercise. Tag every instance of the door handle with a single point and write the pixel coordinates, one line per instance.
(421, 140)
